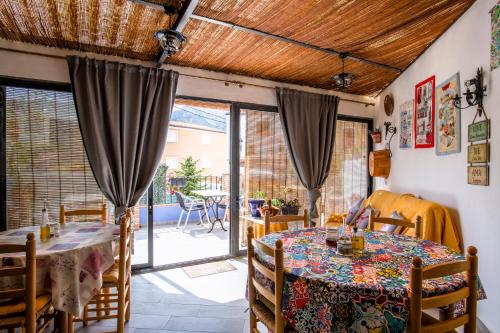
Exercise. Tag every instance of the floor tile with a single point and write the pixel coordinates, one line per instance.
(197, 324)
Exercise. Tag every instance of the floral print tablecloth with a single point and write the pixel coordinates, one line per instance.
(70, 266)
(325, 292)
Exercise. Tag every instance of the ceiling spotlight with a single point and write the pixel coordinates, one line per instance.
(171, 41)
(343, 80)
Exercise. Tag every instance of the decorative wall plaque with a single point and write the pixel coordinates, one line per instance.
(479, 153)
(478, 175)
(479, 131)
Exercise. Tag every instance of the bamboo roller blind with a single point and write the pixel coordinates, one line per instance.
(268, 167)
(45, 157)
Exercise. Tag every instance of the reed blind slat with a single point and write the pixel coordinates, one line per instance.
(269, 169)
(45, 157)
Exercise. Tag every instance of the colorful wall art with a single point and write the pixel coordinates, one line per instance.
(447, 117)
(424, 113)
(406, 125)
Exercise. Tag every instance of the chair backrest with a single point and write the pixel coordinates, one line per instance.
(268, 220)
(29, 271)
(276, 276)
(180, 200)
(103, 213)
(468, 292)
(397, 222)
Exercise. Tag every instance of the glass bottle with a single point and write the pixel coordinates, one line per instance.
(45, 227)
(358, 241)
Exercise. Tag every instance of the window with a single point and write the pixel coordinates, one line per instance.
(172, 136)
(171, 162)
(45, 157)
(206, 139)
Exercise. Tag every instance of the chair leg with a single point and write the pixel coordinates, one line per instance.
(206, 212)
(180, 219)
(71, 324)
(187, 217)
(99, 306)
(85, 322)
(253, 321)
(11, 330)
(106, 301)
(199, 215)
(127, 312)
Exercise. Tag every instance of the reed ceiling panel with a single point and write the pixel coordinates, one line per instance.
(393, 32)
(219, 48)
(115, 27)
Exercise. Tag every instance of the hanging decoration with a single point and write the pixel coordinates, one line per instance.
(424, 113)
(406, 125)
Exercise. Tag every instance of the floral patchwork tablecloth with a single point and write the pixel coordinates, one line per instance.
(70, 266)
(325, 292)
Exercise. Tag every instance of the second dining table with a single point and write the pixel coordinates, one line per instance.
(70, 266)
(213, 200)
(327, 292)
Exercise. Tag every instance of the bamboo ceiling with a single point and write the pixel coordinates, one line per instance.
(391, 32)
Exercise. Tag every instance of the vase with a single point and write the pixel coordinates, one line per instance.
(255, 204)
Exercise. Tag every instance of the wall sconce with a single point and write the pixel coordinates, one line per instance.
(392, 130)
(475, 91)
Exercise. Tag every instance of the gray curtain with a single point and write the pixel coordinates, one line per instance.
(308, 122)
(123, 111)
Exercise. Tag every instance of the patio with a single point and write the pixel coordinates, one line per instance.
(173, 245)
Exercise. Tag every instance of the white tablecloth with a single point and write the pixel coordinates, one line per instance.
(70, 266)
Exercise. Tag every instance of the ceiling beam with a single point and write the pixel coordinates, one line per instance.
(292, 41)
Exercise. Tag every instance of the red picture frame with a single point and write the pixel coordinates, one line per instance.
(424, 113)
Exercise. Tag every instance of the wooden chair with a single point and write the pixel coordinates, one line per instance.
(264, 305)
(400, 223)
(21, 307)
(114, 305)
(103, 213)
(283, 219)
(422, 322)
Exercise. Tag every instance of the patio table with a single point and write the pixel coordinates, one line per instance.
(326, 292)
(70, 266)
(213, 198)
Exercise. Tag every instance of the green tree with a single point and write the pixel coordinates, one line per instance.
(189, 170)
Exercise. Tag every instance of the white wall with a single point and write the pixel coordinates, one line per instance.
(463, 48)
(42, 65)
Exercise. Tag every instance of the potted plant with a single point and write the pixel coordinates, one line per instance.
(290, 207)
(376, 135)
(256, 201)
(269, 209)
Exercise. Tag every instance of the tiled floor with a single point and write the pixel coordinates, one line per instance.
(170, 301)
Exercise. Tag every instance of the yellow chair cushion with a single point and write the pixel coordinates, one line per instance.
(111, 275)
(16, 307)
(438, 224)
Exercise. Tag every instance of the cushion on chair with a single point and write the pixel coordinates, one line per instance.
(353, 211)
(111, 275)
(391, 228)
(15, 307)
(361, 221)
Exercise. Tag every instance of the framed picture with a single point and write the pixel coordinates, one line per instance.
(406, 125)
(424, 113)
(447, 117)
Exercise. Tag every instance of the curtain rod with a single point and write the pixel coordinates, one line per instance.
(227, 82)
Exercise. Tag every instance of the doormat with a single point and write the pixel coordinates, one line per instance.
(208, 269)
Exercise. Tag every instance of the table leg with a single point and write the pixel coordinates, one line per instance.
(215, 203)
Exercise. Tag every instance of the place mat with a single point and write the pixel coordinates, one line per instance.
(208, 269)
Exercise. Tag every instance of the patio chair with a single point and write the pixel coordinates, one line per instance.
(189, 205)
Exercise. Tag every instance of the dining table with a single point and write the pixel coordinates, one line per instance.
(70, 266)
(213, 199)
(369, 292)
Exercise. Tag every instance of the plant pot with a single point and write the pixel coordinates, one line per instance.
(255, 204)
(376, 137)
(289, 210)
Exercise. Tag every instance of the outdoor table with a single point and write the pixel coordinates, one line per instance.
(70, 266)
(213, 198)
(326, 292)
